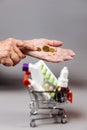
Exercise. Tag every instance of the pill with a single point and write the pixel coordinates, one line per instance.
(44, 71)
(51, 88)
(52, 94)
(46, 86)
(47, 76)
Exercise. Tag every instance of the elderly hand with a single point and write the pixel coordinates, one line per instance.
(49, 50)
(11, 51)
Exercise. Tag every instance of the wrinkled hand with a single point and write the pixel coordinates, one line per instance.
(11, 51)
(58, 55)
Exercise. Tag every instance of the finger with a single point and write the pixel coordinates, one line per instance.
(67, 54)
(72, 53)
(15, 58)
(25, 45)
(66, 58)
(54, 43)
(64, 54)
(7, 62)
(3, 54)
(29, 46)
(19, 44)
(19, 53)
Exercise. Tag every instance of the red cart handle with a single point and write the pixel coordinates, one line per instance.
(26, 80)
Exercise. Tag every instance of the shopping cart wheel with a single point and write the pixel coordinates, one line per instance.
(32, 123)
(33, 113)
(64, 119)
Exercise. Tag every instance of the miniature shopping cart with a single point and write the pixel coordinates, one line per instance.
(46, 99)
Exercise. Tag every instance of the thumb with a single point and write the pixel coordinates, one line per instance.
(25, 45)
(54, 43)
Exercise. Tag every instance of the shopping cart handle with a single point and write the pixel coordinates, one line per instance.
(25, 80)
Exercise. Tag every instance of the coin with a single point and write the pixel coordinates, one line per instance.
(46, 48)
(38, 49)
(51, 49)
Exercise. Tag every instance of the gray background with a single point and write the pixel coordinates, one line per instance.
(64, 20)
